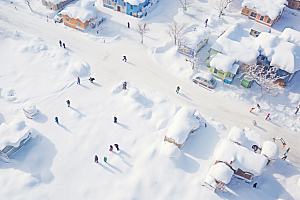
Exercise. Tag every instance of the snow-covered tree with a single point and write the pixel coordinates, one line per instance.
(28, 2)
(176, 31)
(184, 4)
(265, 78)
(142, 29)
(219, 5)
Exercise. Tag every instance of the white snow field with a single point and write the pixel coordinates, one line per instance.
(60, 163)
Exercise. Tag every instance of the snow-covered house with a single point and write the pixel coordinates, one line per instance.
(78, 15)
(237, 136)
(136, 8)
(281, 54)
(223, 67)
(55, 4)
(185, 123)
(291, 35)
(193, 42)
(266, 12)
(13, 137)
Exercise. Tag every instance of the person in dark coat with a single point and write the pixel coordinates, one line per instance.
(115, 119)
(64, 45)
(128, 25)
(91, 79)
(124, 58)
(111, 148)
(117, 146)
(124, 85)
(59, 43)
(206, 22)
(254, 185)
(96, 159)
(177, 90)
(68, 103)
(56, 120)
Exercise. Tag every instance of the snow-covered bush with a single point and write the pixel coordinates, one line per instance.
(29, 109)
(8, 94)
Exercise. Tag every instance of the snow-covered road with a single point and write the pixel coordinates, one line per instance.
(105, 60)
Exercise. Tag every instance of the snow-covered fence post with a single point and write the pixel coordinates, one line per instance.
(176, 31)
(142, 29)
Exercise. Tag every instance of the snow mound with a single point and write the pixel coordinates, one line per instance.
(270, 149)
(77, 68)
(298, 183)
(207, 75)
(184, 122)
(291, 35)
(8, 94)
(12, 134)
(221, 172)
(172, 151)
(237, 135)
(271, 8)
(193, 38)
(81, 9)
(30, 108)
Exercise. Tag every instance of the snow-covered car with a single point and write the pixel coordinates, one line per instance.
(205, 79)
(58, 18)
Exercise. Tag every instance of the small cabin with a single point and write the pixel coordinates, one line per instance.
(55, 4)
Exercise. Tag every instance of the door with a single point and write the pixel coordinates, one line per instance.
(119, 9)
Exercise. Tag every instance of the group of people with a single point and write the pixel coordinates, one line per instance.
(110, 149)
(61, 44)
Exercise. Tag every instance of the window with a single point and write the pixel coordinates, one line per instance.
(253, 14)
(76, 22)
(216, 71)
(261, 18)
(269, 20)
(130, 13)
(124, 4)
(131, 7)
(87, 23)
(67, 18)
(79, 23)
(247, 12)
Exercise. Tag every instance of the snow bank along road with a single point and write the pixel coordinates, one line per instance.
(107, 67)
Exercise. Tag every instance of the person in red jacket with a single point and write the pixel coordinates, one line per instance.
(111, 148)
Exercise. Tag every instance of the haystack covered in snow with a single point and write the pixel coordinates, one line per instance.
(266, 12)
(13, 136)
(281, 54)
(79, 14)
(291, 35)
(55, 4)
(185, 123)
(29, 109)
(223, 67)
(271, 151)
(193, 42)
(246, 163)
(237, 135)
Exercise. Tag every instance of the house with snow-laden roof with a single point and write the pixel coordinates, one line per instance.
(55, 4)
(13, 137)
(136, 8)
(234, 158)
(185, 123)
(78, 15)
(266, 12)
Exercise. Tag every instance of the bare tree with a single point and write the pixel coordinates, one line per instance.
(176, 31)
(265, 77)
(219, 5)
(28, 2)
(142, 29)
(184, 4)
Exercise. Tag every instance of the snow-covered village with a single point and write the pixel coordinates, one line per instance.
(149, 99)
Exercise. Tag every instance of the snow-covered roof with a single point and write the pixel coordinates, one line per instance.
(242, 158)
(291, 35)
(235, 43)
(260, 27)
(81, 9)
(237, 135)
(211, 181)
(184, 121)
(193, 38)
(29, 107)
(222, 62)
(221, 172)
(270, 149)
(11, 134)
(271, 8)
(281, 53)
(206, 75)
(135, 2)
(55, 2)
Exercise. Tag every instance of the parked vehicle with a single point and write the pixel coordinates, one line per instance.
(58, 18)
(206, 80)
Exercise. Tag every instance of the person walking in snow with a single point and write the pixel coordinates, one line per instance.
(258, 106)
(284, 157)
(64, 45)
(177, 90)
(254, 185)
(206, 22)
(297, 109)
(251, 109)
(91, 79)
(254, 123)
(124, 58)
(68, 103)
(128, 25)
(96, 159)
(59, 43)
(56, 120)
(111, 148)
(78, 80)
(124, 85)
(115, 119)
(287, 151)
(105, 159)
(117, 147)
(268, 115)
